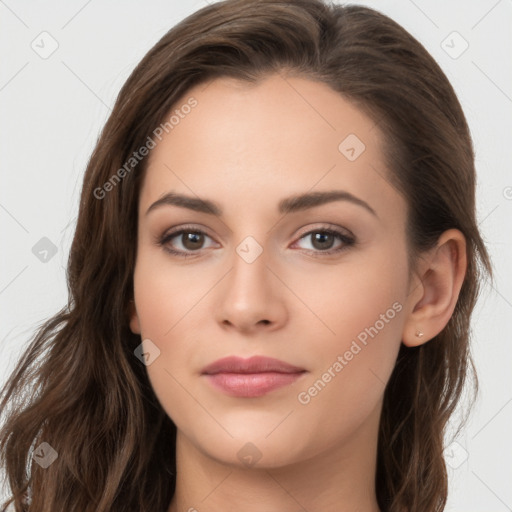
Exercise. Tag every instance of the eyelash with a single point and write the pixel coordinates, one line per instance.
(347, 240)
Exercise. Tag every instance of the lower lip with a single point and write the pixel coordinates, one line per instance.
(250, 385)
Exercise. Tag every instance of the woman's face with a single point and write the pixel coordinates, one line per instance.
(263, 278)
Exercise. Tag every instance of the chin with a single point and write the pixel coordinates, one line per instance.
(256, 449)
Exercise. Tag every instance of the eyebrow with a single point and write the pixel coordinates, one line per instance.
(288, 205)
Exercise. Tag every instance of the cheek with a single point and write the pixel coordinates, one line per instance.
(359, 299)
(359, 308)
(168, 299)
(165, 292)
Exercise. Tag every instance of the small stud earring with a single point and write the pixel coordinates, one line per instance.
(419, 334)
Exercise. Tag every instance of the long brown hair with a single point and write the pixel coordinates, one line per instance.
(78, 385)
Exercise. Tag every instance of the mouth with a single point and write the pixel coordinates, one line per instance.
(249, 378)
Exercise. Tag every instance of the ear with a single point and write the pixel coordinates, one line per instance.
(433, 297)
(134, 318)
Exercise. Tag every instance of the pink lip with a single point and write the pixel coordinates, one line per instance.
(251, 377)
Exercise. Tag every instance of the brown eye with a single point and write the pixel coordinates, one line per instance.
(184, 242)
(323, 240)
(192, 241)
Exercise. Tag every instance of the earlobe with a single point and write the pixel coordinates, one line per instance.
(441, 281)
(134, 318)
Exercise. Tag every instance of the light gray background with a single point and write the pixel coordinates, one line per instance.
(52, 110)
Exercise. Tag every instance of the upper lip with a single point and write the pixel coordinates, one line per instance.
(255, 364)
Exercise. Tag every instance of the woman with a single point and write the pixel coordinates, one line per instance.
(271, 280)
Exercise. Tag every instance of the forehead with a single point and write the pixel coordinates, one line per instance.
(261, 142)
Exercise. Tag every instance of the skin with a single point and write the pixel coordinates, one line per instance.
(246, 147)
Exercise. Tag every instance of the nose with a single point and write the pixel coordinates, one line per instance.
(251, 297)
